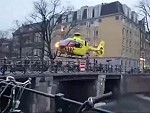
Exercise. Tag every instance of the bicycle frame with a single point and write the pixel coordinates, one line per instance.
(62, 104)
(13, 98)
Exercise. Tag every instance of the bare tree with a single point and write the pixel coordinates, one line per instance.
(3, 34)
(49, 16)
(20, 41)
(144, 7)
(20, 37)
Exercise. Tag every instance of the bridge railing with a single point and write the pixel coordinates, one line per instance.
(37, 66)
(62, 104)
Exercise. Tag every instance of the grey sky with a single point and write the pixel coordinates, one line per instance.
(11, 10)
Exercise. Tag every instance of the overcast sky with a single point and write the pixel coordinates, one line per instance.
(11, 10)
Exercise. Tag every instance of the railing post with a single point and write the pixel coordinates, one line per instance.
(59, 103)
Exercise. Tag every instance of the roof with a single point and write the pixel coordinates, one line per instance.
(112, 8)
(34, 26)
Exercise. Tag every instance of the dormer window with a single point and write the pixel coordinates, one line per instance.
(93, 13)
(84, 16)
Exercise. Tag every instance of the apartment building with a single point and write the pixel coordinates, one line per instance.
(27, 41)
(118, 26)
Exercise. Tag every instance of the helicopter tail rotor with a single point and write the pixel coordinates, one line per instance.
(100, 49)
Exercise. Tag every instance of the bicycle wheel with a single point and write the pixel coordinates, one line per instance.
(5, 102)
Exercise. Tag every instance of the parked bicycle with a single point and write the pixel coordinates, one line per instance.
(11, 92)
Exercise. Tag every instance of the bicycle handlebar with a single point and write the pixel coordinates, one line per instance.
(12, 79)
(88, 104)
(95, 100)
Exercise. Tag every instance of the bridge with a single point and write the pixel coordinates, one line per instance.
(74, 83)
(79, 86)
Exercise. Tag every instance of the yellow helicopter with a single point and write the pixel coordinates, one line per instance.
(77, 46)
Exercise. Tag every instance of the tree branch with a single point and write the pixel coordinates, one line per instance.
(144, 7)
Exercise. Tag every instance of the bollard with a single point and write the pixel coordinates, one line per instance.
(59, 103)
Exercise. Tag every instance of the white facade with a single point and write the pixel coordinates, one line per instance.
(129, 11)
(78, 14)
(97, 10)
(125, 9)
(89, 14)
(135, 16)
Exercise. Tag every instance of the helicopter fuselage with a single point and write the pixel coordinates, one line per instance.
(73, 46)
(77, 46)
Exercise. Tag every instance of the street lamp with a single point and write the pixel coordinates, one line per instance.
(143, 62)
(62, 32)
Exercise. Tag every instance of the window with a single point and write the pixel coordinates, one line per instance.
(117, 17)
(84, 23)
(123, 31)
(130, 34)
(127, 33)
(123, 20)
(100, 20)
(75, 16)
(67, 18)
(121, 62)
(84, 16)
(127, 43)
(130, 50)
(88, 33)
(93, 13)
(130, 25)
(91, 22)
(37, 37)
(123, 41)
(95, 32)
(135, 52)
(129, 62)
(130, 43)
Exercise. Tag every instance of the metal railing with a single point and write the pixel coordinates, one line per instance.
(62, 104)
(35, 66)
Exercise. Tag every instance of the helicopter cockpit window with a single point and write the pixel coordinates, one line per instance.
(78, 45)
(65, 42)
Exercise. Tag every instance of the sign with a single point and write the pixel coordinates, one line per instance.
(82, 66)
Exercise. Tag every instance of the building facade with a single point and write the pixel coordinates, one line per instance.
(27, 42)
(144, 46)
(118, 26)
(6, 48)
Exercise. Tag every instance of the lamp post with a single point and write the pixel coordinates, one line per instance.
(143, 63)
(62, 32)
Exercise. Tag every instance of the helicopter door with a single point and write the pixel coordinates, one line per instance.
(85, 43)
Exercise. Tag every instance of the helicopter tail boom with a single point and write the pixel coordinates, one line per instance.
(100, 49)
